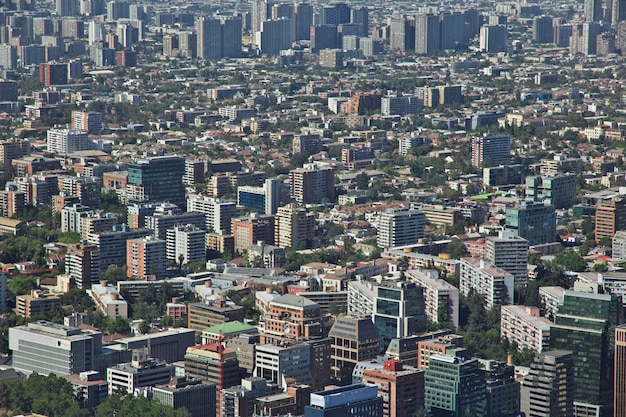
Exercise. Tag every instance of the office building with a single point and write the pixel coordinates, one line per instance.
(312, 184)
(441, 298)
(249, 230)
(185, 244)
(165, 217)
(503, 391)
(488, 150)
(509, 252)
(201, 316)
(219, 213)
(303, 15)
(558, 191)
(455, 386)
(265, 199)
(141, 372)
(282, 364)
(618, 12)
(293, 227)
(402, 105)
(400, 227)
(543, 31)
(157, 179)
(53, 73)
(12, 202)
(399, 311)
(453, 31)
(353, 339)
(358, 400)
(74, 351)
(494, 284)
(535, 222)
(108, 300)
(593, 10)
(585, 324)
(619, 370)
(291, 317)
(524, 326)
(214, 364)
(8, 56)
(551, 298)
(493, 38)
(66, 141)
(610, 217)
(195, 396)
(428, 345)
(82, 264)
(548, 389)
(146, 257)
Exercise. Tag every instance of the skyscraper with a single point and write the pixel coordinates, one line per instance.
(619, 384)
(593, 10)
(209, 38)
(312, 184)
(493, 38)
(303, 21)
(509, 252)
(427, 34)
(543, 31)
(534, 222)
(610, 217)
(548, 389)
(453, 31)
(492, 150)
(146, 256)
(157, 179)
(261, 11)
(274, 36)
(585, 324)
(455, 386)
(353, 339)
(360, 15)
(294, 227)
(399, 311)
(231, 36)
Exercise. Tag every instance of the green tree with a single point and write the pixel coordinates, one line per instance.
(456, 248)
(570, 261)
(362, 181)
(69, 237)
(113, 274)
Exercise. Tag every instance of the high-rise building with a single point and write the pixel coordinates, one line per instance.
(353, 339)
(558, 191)
(400, 227)
(274, 36)
(66, 141)
(401, 387)
(196, 396)
(593, 10)
(249, 230)
(157, 179)
(261, 11)
(585, 324)
(441, 298)
(543, 32)
(75, 350)
(453, 31)
(534, 222)
(335, 14)
(8, 56)
(82, 264)
(491, 150)
(428, 345)
(292, 317)
(96, 32)
(293, 227)
(524, 326)
(494, 284)
(618, 12)
(399, 311)
(455, 386)
(619, 369)
(610, 217)
(493, 38)
(548, 389)
(209, 38)
(141, 372)
(186, 244)
(509, 252)
(67, 7)
(219, 213)
(231, 36)
(303, 15)
(146, 256)
(312, 184)
(619, 245)
(87, 121)
(265, 199)
(112, 245)
(214, 364)
(358, 400)
(188, 44)
(503, 391)
(275, 363)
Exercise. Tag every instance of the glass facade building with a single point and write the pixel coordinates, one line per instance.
(157, 179)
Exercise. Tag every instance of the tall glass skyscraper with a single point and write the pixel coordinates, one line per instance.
(157, 179)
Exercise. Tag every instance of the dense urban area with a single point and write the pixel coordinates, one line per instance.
(266, 208)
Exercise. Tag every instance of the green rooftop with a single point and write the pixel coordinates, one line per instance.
(231, 327)
(488, 195)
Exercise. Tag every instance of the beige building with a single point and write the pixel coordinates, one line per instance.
(294, 227)
(37, 302)
(108, 300)
(525, 326)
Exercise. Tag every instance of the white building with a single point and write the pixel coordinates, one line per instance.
(438, 294)
(619, 245)
(218, 212)
(46, 348)
(524, 326)
(400, 227)
(108, 300)
(66, 141)
(141, 372)
(187, 243)
(551, 298)
(275, 363)
(361, 296)
(495, 284)
(71, 217)
(510, 253)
